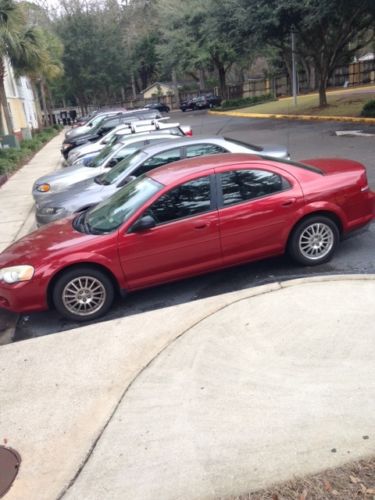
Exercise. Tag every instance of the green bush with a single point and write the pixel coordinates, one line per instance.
(368, 109)
(243, 102)
(12, 158)
(5, 166)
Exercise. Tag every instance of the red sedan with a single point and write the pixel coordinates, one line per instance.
(183, 219)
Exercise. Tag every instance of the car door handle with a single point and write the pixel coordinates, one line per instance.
(288, 203)
(200, 225)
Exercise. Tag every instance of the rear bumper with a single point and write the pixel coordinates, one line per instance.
(42, 219)
(357, 232)
(363, 224)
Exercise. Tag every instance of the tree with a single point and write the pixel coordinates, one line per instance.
(328, 32)
(95, 57)
(203, 34)
(18, 43)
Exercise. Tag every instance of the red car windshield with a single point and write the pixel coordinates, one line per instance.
(111, 213)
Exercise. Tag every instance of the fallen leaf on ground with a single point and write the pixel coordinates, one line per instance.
(303, 495)
(327, 485)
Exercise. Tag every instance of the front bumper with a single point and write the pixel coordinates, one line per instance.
(65, 151)
(26, 296)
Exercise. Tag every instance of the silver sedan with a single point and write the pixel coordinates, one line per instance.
(107, 159)
(89, 192)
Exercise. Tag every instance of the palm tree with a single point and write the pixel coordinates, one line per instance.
(40, 60)
(21, 44)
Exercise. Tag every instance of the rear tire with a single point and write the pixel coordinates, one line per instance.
(314, 241)
(83, 294)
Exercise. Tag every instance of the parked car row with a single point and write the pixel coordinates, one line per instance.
(145, 204)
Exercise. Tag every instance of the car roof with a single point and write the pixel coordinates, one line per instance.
(131, 138)
(158, 148)
(183, 168)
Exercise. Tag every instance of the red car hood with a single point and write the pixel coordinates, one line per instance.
(43, 243)
(334, 165)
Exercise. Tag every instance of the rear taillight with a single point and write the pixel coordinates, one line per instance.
(189, 133)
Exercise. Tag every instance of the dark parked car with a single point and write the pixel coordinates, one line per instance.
(190, 217)
(159, 106)
(201, 102)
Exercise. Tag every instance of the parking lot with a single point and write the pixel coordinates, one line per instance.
(304, 140)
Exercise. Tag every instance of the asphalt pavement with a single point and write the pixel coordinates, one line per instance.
(304, 140)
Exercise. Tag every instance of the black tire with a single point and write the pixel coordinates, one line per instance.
(95, 297)
(314, 240)
(183, 110)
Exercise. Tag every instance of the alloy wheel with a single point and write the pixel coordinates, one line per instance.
(316, 241)
(84, 295)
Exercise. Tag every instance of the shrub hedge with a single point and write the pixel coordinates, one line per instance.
(368, 109)
(13, 158)
(245, 102)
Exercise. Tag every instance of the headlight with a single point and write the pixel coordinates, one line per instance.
(43, 188)
(16, 274)
(66, 145)
(77, 162)
(51, 210)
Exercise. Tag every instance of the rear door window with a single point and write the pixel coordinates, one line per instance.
(242, 185)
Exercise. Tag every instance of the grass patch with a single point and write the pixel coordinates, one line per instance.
(348, 102)
(11, 159)
(353, 481)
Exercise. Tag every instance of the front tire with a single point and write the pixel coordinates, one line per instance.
(83, 294)
(314, 241)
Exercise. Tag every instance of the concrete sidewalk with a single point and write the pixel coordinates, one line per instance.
(16, 202)
(17, 215)
(201, 400)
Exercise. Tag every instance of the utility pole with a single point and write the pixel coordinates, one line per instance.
(294, 72)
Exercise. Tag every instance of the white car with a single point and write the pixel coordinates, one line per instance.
(123, 131)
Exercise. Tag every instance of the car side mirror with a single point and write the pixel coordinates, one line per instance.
(145, 222)
(126, 180)
(112, 163)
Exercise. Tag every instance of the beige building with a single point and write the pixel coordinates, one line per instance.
(21, 103)
(159, 89)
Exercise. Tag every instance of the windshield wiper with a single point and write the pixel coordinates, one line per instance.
(80, 225)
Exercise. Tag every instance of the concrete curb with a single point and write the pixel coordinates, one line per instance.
(69, 397)
(239, 114)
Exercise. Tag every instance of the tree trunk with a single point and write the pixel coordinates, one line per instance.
(3, 100)
(323, 79)
(44, 103)
(222, 79)
(202, 82)
(134, 89)
(50, 104)
(37, 104)
(322, 95)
